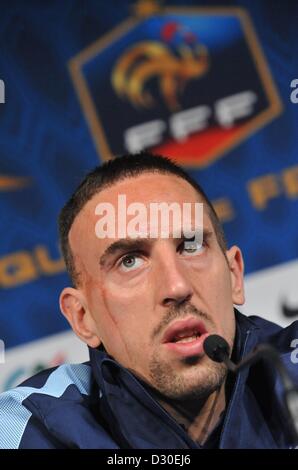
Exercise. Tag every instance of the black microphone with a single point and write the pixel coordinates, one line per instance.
(218, 350)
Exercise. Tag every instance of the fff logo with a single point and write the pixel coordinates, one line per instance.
(2, 92)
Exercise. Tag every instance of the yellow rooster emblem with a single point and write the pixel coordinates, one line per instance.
(153, 59)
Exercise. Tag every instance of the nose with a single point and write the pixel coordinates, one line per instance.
(172, 281)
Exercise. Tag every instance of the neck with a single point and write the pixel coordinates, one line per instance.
(198, 416)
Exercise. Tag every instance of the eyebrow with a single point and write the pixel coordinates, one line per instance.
(121, 246)
(128, 244)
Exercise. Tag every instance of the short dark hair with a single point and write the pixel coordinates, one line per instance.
(112, 171)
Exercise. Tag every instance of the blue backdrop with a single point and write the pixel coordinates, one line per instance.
(48, 142)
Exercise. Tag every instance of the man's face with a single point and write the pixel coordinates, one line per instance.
(153, 304)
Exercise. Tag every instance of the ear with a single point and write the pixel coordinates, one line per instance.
(236, 265)
(73, 307)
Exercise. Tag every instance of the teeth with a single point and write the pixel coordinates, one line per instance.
(186, 334)
(187, 339)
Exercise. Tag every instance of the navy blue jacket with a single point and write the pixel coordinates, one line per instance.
(102, 405)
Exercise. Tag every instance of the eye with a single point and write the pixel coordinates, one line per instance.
(130, 262)
(191, 247)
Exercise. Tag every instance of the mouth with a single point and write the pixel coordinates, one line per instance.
(186, 337)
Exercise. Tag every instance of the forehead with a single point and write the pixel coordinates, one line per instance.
(145, 188)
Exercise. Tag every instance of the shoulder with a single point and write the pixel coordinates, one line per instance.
(283, 339)
(17, 406)
(273, 333)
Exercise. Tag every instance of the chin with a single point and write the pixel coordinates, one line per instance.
(203, 383)
(195, 382)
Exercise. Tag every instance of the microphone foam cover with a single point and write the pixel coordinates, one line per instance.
(216, 348)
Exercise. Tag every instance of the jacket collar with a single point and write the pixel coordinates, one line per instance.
(136, 419)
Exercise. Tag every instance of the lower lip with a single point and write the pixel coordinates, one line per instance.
(191, 348)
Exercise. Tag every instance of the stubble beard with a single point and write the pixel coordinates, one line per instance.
(197, 380)
(196, 377)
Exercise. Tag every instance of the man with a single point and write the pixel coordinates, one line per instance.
(144, 305)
